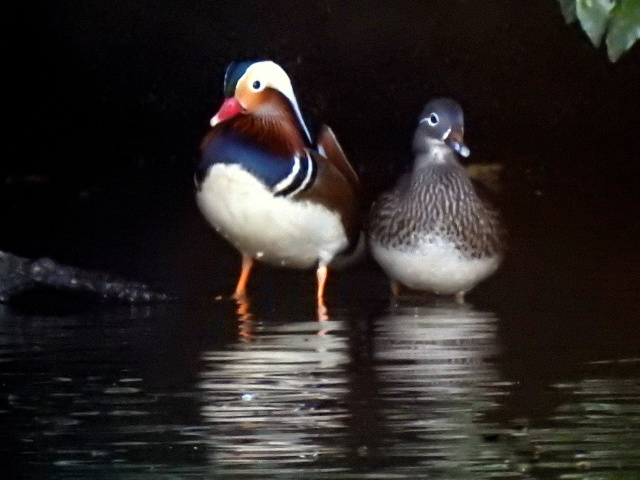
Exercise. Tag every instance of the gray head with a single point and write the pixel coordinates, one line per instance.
(441, 121)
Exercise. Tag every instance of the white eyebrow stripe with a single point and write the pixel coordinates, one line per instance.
(276, 77)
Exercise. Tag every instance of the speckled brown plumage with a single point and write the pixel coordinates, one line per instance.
(432, 231)
(437, 201)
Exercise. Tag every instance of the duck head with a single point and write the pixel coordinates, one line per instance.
(263, 91)
(441, 122)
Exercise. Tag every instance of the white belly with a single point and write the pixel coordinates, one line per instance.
(272, 229)
(434, 266)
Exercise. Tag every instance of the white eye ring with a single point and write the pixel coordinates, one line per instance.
(433, 119)
(257, 85)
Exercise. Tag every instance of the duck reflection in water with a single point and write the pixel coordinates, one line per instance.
(437, 380)
(277, 401)
(248, 319)
(411, 385)
(245, 317)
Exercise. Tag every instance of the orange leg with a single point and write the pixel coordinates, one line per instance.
(322, 273)
(241, 287)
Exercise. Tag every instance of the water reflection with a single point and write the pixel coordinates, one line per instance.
(414, 390)
(437, 381)
(245, 317)
(276, 404)
(390, 394)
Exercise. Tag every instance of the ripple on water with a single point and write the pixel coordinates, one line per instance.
(277, 404)
(404, 393)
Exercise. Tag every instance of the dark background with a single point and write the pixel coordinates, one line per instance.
(109, 99)
(107, 86)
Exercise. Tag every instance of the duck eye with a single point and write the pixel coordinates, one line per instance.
(256, 85)
(433, 119)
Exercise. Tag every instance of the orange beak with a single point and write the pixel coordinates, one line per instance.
(229, 109)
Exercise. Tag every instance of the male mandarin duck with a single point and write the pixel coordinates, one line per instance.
(432, 231)
(275, 191)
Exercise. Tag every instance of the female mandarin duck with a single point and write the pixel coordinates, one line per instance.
(432, 231)
(272, 189)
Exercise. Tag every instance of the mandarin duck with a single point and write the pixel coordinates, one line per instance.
(433, 231)
(277, 192)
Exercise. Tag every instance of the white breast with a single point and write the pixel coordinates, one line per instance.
(434, 266)
(276, 230)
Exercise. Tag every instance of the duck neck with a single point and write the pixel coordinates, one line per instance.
(434, 152)
(277, 132)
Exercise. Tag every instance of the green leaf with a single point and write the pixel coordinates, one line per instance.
(568, 8)
(594, 16)
(624, 28)
(617, 20)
